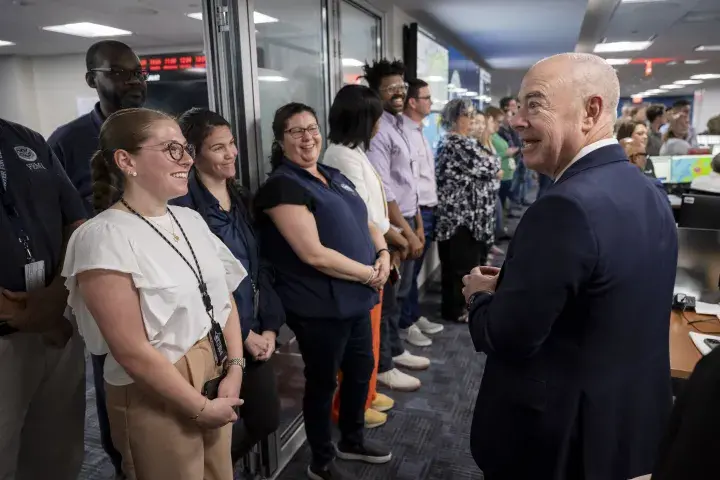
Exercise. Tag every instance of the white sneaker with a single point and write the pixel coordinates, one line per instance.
(428, 327)
(416, 337)
(411, 362)
(397, 380)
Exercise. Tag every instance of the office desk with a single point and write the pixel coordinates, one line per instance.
(684, 355)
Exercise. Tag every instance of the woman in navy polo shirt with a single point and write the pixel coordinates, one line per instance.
(212, 193)
(330, 264)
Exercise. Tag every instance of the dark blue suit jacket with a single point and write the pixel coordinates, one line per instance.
(577, 381)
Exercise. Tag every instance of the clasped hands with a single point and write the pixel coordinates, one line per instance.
(380, 271)
(261, 347)
(40, 312)
(480, 279)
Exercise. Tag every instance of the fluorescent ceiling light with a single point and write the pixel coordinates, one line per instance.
(706, 76)
(708, 48)
(434, 78)
(351, 62)
(87, 30)
(671, 86)
(688, 82)
(694, 62)
(257, 17)
(618, 61)
(4, 43)
(262, 18)
(643, 1)
(271, 78)
(622, 46)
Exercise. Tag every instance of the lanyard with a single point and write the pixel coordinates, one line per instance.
(202, 286)
(12, 213)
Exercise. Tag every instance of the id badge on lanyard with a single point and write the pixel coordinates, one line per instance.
(217, 340)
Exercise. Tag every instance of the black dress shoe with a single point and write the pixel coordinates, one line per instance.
(367, 452)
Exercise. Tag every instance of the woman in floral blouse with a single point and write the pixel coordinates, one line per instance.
(465, 215)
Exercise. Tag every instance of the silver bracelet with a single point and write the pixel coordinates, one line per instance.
(372, 275)
(240, 362)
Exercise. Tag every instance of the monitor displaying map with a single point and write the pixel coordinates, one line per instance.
(433, 67)
(684, 168)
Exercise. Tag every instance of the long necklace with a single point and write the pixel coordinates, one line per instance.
(172, 233)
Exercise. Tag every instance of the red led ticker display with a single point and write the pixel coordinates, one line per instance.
(174, 62)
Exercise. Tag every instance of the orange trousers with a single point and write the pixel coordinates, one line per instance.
(375, 316)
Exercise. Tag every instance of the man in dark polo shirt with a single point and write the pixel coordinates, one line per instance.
(42, 363)
(114, 71)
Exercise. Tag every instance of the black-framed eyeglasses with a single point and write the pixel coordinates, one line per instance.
(175, 150)
(427, 97)
(123, 75)
(299, 132)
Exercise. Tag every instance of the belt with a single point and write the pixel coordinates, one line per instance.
(427, 209)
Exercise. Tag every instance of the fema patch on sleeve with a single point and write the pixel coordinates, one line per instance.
(26, 154)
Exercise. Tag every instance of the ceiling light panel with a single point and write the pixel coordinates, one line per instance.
(87, 30)
(611, 47)
(5, 43)
(618, 61)
(688, 82)
(671, 86)
(708, 48)
(257, 17)
(705, 76)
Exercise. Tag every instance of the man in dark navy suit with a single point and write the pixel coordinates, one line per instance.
(575, 325)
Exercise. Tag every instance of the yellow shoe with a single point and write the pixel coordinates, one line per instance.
(382, 403)
(374, 419)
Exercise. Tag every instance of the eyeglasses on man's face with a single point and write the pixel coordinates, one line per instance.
(299, 132)
(175, 150)
(395, 88)
(122, 74)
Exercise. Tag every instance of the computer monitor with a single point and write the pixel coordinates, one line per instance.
(684, 168)
(700, 211)
(662, 168)
(698, 267)
(708, 140)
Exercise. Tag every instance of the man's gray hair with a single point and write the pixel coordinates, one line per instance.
(455, 109)
(592, 75)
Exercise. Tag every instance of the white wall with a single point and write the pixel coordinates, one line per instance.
(706, 106)
(41, 92)
(17, 98)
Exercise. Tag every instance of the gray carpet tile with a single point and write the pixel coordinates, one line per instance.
(428, 430)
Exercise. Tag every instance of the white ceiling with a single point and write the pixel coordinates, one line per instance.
(155, 23)
(509, 34)
(679, 26)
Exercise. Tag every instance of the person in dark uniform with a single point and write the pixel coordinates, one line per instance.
(330, 264)
(42, 364)
(113, 70)
(571, 389)
(212, 192)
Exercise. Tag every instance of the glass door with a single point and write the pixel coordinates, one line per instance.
(360, 40)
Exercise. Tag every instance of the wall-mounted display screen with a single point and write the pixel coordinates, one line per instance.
(176, 82)
(178, 66)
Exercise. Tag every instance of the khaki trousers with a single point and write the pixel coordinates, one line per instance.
(156, 442)
(42, 408)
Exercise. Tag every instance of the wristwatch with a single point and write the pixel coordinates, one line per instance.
(240, 362)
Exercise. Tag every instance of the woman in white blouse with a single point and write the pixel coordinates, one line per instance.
(354, 120)
(151, 286)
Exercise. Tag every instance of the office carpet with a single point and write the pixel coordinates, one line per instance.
(428, 431)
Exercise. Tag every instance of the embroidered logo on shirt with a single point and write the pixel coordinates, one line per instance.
(26, 154)
(347, 187)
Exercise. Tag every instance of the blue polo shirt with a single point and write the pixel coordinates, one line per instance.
(37, 198)
(235, 230)
(342, 224)
(74, 145)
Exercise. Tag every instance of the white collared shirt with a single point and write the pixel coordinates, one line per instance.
(587, 150)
